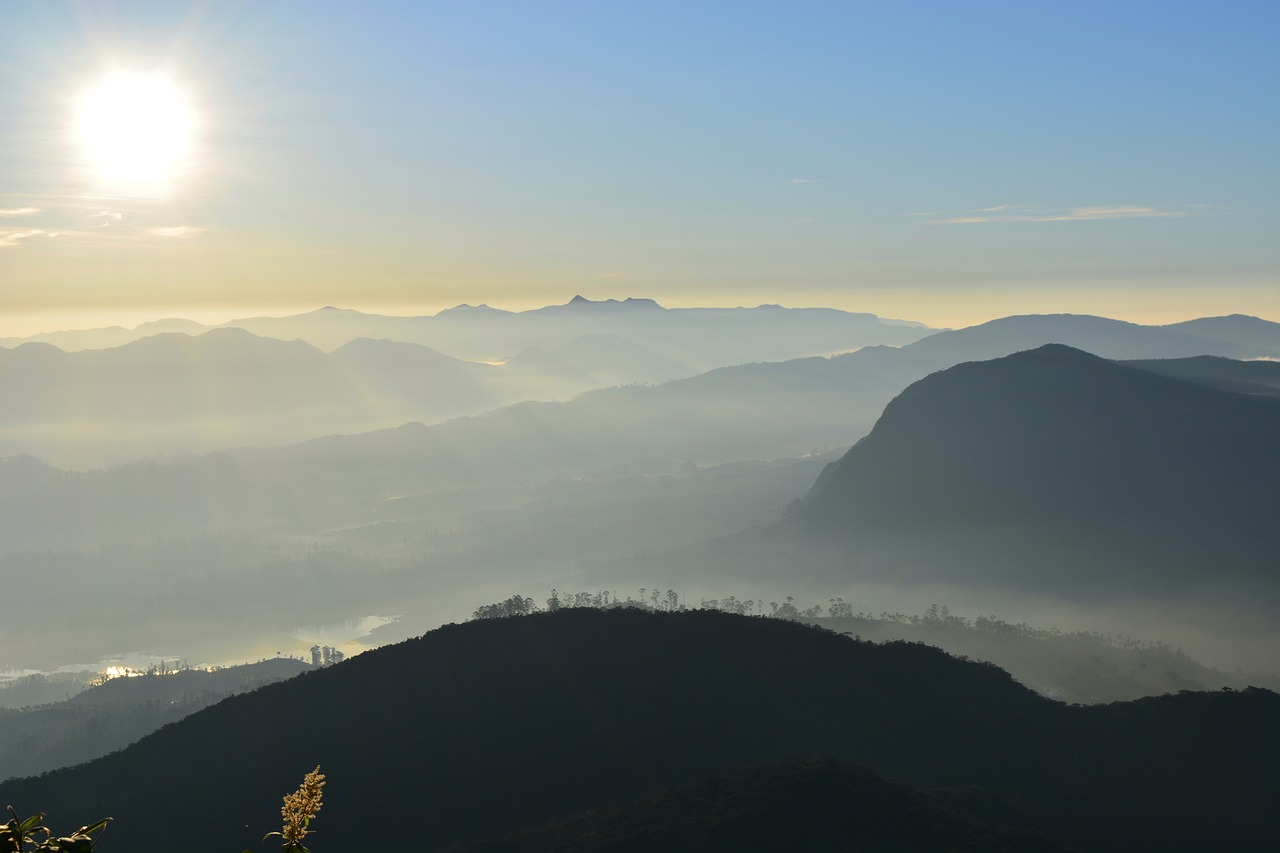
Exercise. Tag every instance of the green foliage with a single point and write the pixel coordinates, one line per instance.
(23, 836)
(30, 835)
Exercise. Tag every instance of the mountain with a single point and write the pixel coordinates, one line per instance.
(413, 520)
(538, 360)
(1054, 469)
(1238, 330)
(1241, 377)
(501, 726)
(793, 805)
(1114, 339)
(580, 303)
(169, 392)
(611, 359)
(702, 338)
(73, 340)
(1086, 667)
(173, 393)
(114, 714)
(413, 378)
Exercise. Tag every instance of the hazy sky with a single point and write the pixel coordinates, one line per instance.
(947, 162)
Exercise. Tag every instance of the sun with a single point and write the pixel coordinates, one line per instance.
(135, 129)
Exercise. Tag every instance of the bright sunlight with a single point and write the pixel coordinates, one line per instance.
(135, 129)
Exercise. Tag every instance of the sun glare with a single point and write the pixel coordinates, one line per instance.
(135, 129)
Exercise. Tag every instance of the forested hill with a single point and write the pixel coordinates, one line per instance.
(1054, 469)
(791, 805)
(116, 713)
(501, 725)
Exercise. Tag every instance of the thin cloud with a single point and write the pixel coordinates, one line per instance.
(1084, 214)
(802, 181)
(175, 231)
(107, 217)
(9, 213)
(13, 239)
(1027, 213)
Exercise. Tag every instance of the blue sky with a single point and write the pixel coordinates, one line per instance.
(947, 162)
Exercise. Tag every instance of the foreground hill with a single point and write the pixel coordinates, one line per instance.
(795, 805)
(1056, 470)
(500, 726)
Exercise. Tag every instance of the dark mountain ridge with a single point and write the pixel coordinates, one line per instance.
(497, 726)
(1056, 468)
(815, 806)
(1260, 377)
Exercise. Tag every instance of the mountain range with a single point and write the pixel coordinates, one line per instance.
(168, 391)
(701, 338)
(595, 491)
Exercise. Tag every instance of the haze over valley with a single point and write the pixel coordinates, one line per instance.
(709, 484)
(639, 427)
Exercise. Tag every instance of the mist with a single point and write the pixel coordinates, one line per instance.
(265, 523)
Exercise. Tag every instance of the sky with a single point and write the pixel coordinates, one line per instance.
(945, 162)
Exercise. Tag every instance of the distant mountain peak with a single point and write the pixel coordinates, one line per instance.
(467, 308)
(1055, 350)
(630, 302)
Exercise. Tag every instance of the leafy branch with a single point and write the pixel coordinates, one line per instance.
(19, 835)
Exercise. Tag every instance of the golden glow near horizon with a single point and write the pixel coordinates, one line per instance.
(185, 158)
(135, 130)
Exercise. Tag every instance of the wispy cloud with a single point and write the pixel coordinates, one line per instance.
(12, 239)
(1033, 213)
(107, 217)
(9, 213)
(175, 231)
(1081, 214)
(802, 181)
